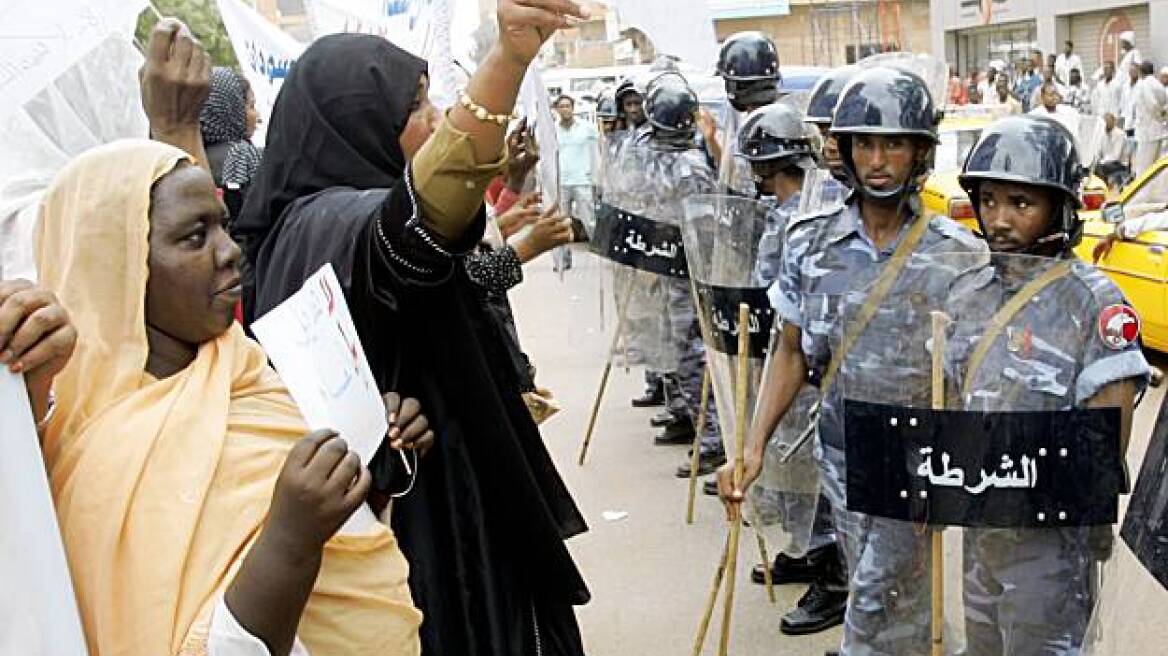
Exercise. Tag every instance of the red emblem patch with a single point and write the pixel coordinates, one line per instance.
(1119, 326)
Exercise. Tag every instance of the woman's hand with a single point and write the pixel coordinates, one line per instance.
(523, 213)
(551, 230)
(408, 427)
(522, 155)
(524, 25)
(37, 337)
(176, 80)
(320, 486)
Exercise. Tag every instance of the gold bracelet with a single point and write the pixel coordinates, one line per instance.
(481, 112)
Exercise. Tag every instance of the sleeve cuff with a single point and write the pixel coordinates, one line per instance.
(227, 637)
(788, 312)
(1101, 373)
(450, 184)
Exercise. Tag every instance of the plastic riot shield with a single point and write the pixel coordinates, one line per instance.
(639, 227)
(933, 71)
(1134, 594)
(732, 246)
(981, 479)
(734, 172)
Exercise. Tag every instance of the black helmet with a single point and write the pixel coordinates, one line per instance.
(825, 94)
(606, 108)
(1031, 150)
(773, 133)
(672, 110)
(749, 57)
(749, 64)
(884, 101)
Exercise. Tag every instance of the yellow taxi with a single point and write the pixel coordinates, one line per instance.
(1139, 266)
(958, 132)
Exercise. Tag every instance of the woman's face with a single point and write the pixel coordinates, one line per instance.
(194, 281)
(423, 121)
(252, 116)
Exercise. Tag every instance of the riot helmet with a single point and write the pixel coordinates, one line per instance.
(1036, 151)
(825, 94)
(774, 133)
(631, 90)
(885, 102)
(606, 105)
(748, 63)
(671, 108)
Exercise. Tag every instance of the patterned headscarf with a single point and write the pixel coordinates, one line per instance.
(224, 120)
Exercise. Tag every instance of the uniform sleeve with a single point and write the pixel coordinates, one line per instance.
(1132, 228)
(228, 638)
(1102, 364)
(785, 293)
(449, 184)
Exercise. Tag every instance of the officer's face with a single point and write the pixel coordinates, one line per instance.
(831, 153)
(883, 162)
(1014, 216)
(634, 108)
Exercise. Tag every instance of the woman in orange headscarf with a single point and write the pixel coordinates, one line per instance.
(191, 502)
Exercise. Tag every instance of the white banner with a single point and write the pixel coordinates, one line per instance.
(265, 52)
(421, 27)
(533, 99)
(40, 40)
(38, 610)
(682, 29)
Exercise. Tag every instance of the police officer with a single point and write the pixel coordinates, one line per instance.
(775, 141)
(679, 170)
(1031, 591)
(821, 110)
(748, 64)
(886, 128)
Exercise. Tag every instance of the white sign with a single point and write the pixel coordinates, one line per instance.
(533, 98)
(681, 29)
(420, 27)
(38, 609)
(40, 40)
(725, 9)
(312, 342)
(265, 52)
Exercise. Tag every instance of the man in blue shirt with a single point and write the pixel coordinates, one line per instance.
(578, 147)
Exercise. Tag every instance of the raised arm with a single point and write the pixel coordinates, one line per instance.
(176, 79)
(451, 171)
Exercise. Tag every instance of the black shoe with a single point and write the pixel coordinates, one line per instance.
(710, 488)
(679, 431)
(707, 463)
(831, 652)
(661, 420)
(651, 398)
(817, 565)
(818, 610)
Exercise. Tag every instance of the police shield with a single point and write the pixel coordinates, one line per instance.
(1129, 616)
(732, 244)
(964, 428)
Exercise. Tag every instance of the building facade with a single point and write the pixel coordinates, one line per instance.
(835, 32)
(972, 33)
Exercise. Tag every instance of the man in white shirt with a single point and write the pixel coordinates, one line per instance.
(985, 88)
(1113, 153)
(1051, 107)
(1150, 104)
(1075, 94)
(1066, 62)
(1105, 95)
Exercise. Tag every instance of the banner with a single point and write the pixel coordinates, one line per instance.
(421, 27)
(40, 40)
(682, 29)
(38, 611)
(265, 52)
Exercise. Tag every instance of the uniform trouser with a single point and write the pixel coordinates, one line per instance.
(685, 337)
(1029, 591)
(888, 561)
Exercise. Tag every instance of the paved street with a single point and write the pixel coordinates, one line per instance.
(649, 572)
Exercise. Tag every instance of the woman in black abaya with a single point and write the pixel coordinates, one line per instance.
(347, 180)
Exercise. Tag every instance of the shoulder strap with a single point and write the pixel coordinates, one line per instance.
(1004, 314)
(880, 290)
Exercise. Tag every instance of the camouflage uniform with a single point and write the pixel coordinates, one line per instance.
(828, 263)
(1031, 591)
